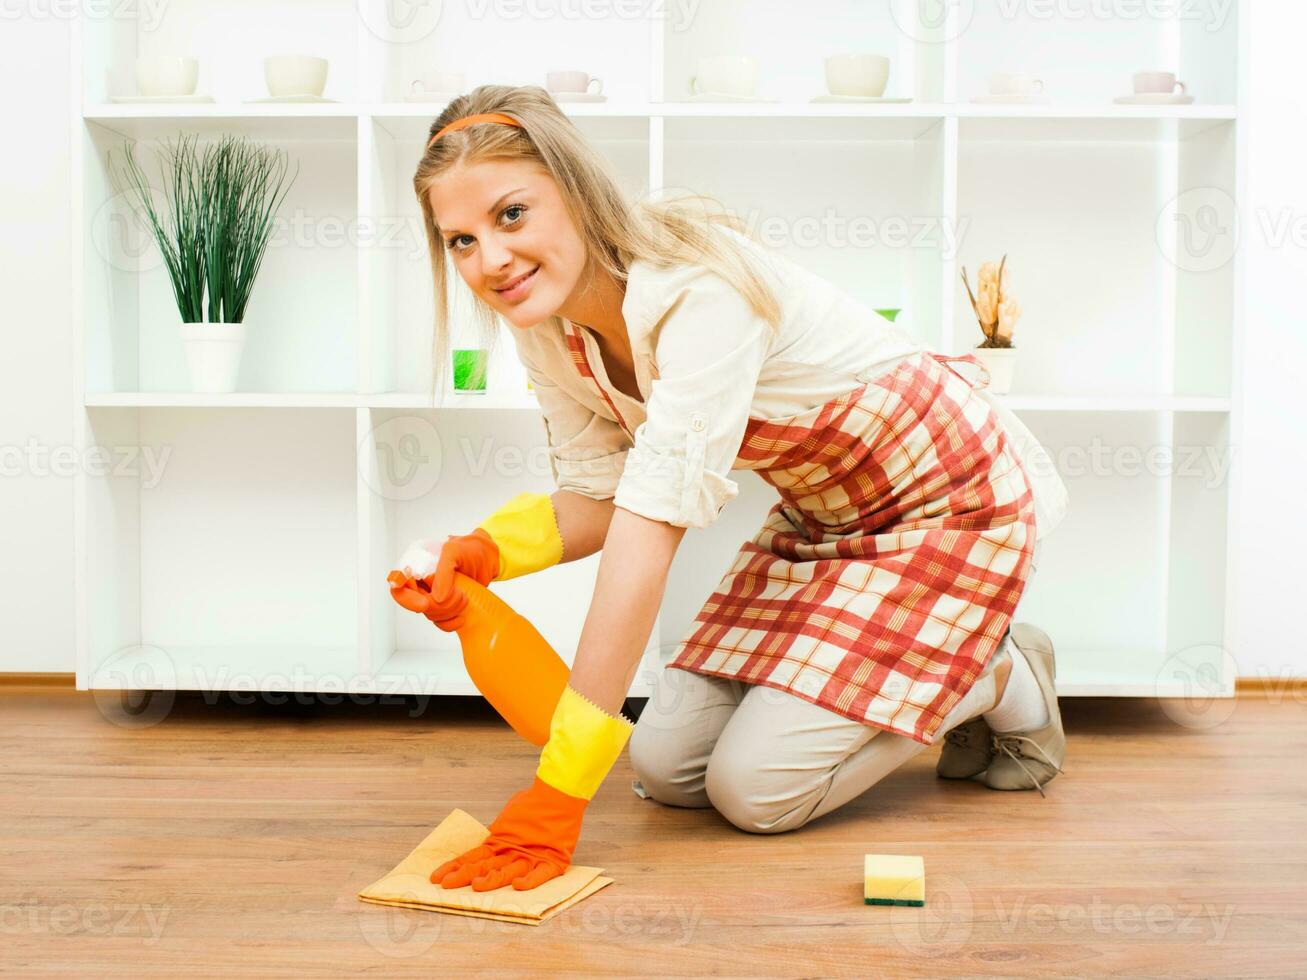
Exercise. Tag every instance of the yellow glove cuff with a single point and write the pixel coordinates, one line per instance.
(584, 743)
(525, 531)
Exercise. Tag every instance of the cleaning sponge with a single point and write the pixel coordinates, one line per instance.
(893, 879)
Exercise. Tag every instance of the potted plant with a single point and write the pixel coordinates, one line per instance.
(218, 205)
(997, 311)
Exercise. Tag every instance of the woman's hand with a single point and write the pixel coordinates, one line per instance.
(530, 842)
(432, 564)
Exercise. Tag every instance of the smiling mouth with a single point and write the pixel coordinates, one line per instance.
(518, 281)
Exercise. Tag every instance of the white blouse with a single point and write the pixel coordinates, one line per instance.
(704, 364)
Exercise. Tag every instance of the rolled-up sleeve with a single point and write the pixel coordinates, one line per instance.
(587, 452)
(708, 350)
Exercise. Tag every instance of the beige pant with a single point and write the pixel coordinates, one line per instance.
(766, 760)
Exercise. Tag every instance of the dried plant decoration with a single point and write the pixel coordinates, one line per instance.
(996, 309)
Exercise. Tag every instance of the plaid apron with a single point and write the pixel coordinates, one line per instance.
(885, 577)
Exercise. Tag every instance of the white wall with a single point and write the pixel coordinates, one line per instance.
(36, 507)
(36, 630)
(1270, 546)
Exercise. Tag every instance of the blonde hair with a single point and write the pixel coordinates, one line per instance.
(677, 230)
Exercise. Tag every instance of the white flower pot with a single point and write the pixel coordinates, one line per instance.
(213, 354)
(1001, 363)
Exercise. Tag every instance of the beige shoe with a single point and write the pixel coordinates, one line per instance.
(968, 748)
(1028, 760)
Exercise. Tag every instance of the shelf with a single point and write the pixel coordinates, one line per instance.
(148, 667)
(492, 400)
(1114, 403)
(527, 402)
(974, 110)
(284, 122)
(308, 399)
(429, 110)
(411, 120)
(441, 672)
(187, 112)
(1127, 674)
(799, 110)
(425, 672)
(1088, 51)
(1123, 124)
(287, 521)
(235, 399)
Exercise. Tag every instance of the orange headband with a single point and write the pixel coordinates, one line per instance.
(476, 117)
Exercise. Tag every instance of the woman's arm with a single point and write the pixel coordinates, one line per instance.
(582, 523)
(637, 554)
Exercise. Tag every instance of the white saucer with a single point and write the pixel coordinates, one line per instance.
(161, 99)
(578, 96)
(882, 99)
(1010, 99)
(727, 97)
(429, 96)
(291, 98)
(1155, 98)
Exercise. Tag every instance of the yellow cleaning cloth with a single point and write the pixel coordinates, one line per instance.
(409, 885)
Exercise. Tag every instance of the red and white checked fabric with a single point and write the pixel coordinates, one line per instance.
(884, 579)
(576, 347)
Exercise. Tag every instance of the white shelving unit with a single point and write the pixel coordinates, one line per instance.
(253, 555)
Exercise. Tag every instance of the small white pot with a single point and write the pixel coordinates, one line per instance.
(213, 354)
(1001, 363)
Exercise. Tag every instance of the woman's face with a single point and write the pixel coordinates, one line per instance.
(507, 231)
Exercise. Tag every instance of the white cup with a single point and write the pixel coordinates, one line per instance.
(725, 74)
(1015, 83)
(168, 74)
(442, 82)
(294, 74)
(857, 74)
(1156, 82)
(572, 81)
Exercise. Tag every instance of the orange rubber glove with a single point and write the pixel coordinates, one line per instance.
(520, 537)
(532, 839)
(530, 842)
(475, 555)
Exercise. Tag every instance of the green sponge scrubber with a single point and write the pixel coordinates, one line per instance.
(893, 879)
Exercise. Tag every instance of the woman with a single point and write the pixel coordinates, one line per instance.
(870, 613)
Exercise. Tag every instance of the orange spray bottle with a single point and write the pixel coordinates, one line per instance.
(510, 663)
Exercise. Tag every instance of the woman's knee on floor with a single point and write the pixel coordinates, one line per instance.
(669, 769)
(783, 761)
(676, 733)
(748, 798)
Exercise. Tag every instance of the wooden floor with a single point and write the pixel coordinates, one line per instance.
(224, 839)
